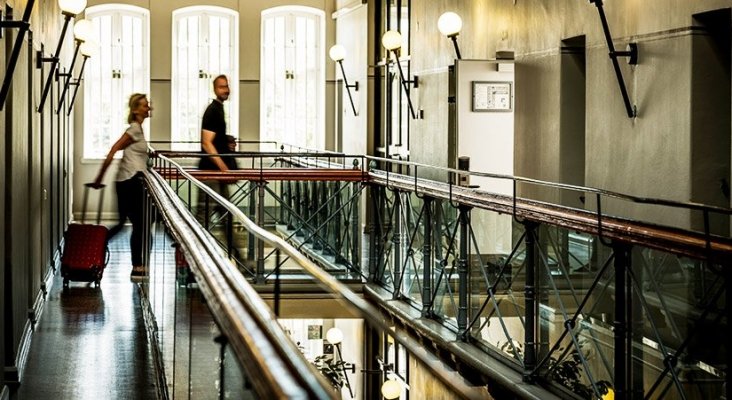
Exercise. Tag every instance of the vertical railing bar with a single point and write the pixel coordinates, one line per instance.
(530, 302)
(260, 242)
(397, 245)
(463, 267)
(427, 263)
(620, 323)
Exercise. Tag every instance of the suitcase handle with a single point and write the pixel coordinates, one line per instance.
(86, 196)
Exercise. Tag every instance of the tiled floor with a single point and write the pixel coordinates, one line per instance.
(91, 343)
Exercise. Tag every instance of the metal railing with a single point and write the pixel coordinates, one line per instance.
(236, 306)
(581, 300)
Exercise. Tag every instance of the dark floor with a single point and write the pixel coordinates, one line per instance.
(91, 343)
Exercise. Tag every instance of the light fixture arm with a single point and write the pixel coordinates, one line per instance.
(23, 26)
(404, 84)
(54, 61)
(68, 77)
(343, 368)
(455, 44)
(76, 85)
(632, 55)
(348, 87)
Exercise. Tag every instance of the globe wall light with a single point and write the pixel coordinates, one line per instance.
(82, 33)
(334, 336)
(450, 25)
(338, 53)
(22, 25)
(69, 9)
(392, 41)
(87, 49)
(391, 389)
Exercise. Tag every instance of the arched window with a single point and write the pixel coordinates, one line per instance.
(121, 68)
(205, 45)
(292, 97)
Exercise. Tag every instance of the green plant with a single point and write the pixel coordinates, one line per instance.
(333, 370)
(568, 372)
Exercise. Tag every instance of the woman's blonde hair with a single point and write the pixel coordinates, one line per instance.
(134, 102)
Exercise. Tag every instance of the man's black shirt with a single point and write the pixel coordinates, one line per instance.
(215, 121)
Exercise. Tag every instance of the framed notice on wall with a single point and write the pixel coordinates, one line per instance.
(491, 96)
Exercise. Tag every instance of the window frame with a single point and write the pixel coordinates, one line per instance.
(116, 12)
(232, 105)
(295, 10)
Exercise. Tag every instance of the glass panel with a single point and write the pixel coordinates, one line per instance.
(195, 364)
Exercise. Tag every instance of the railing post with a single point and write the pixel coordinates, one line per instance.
(337, 224)
(375, 232)
(396, 240)
(355, 229)
(284, 195)
(427, 262)
(463, 271)
(252, 213)
(727, 313)
(260, 243)
(305, 211)
(297, 206)
(291, 206)
(317, 233)
(229, 234)
(530, 302)
(621, 329)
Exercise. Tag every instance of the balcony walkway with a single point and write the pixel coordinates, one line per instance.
(91, 343)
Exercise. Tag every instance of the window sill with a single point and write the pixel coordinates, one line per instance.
(95, 161)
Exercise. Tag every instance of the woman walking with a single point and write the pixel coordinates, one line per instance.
(129, 178)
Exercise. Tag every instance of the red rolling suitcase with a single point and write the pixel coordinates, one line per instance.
(85, 248)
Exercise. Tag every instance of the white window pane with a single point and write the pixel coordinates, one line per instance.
(119, 69)
(204, 51)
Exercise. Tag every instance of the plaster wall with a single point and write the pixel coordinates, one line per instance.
(648, 156)
(32, 203)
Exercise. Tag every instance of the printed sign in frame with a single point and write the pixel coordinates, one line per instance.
(492, 96)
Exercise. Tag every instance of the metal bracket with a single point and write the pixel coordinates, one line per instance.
(631, 53)
(40, 59)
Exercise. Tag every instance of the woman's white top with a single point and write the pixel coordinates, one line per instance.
(134, 156)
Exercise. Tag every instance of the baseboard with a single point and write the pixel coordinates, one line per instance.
(107, 218)
(34, 314)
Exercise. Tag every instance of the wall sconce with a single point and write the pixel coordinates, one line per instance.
(392, 41)
(391, 389)
(632, 54)
(69, 9)
(334, 336)
(338, 53)
(82, 33)
(22, 26)
(450, 25)
(87, 49)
